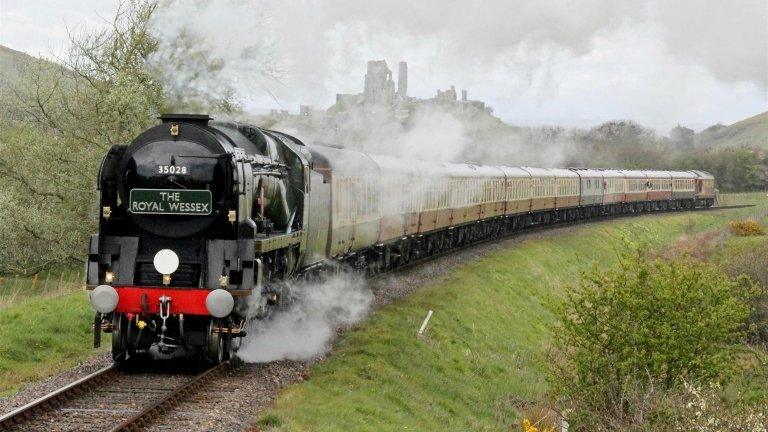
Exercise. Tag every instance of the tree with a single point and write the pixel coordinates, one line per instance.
(681, 137)
(618, 144)
(66, 115)
(61, 117)
(736, 170)
(639, 328)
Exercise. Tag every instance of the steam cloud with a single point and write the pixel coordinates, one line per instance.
(308, 326)
(697, 62)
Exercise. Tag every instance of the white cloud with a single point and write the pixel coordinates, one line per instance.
(695, 61)
(39, 27)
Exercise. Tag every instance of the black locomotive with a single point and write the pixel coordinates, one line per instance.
(221, 206)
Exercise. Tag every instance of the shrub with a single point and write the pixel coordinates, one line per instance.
(540, 418)
(703, 409)
(747, 263)
(269, 420)
(629, 333)
(746, 228)
(531, 427)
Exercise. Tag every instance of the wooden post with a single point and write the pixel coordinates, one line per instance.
(424, 324)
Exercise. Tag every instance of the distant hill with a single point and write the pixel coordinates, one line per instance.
(11, 62)
(751, 132)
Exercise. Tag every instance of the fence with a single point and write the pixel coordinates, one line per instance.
(16, 289)
(737, 198)
(759, 199)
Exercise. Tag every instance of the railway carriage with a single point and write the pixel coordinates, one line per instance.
(490, 191)
(464, 193)
(636, 185)
(543, 189)
(430, 190)
(683, 189)
(614, 195)
(203, 225)
(517, 194)
(568, 188)
(590, 186)
(659, 188)
(704, 188)
(354, 180)
(395, 178)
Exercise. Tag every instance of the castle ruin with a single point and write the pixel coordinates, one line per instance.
(381, 95)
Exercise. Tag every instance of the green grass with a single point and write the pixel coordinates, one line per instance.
(44, 328)
(486, 346)
(50, 283)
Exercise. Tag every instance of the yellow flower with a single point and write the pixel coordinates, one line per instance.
(528, 427)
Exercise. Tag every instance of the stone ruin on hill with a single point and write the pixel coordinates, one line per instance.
(381, 95)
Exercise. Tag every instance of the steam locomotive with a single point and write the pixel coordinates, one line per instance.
(203, 224)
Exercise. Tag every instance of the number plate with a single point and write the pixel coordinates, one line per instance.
(170, 201)
(172, 169)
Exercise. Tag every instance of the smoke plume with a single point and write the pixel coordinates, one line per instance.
(307, 327)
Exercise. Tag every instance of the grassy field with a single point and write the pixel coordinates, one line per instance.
(45, 327)
(484, 354)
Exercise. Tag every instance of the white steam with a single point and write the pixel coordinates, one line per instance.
(307, 328)
(211, 50)
(430, 134)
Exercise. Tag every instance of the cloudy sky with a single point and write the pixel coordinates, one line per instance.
(694, 62)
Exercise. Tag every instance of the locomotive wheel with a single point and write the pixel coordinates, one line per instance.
(119, 351)
(216, 348)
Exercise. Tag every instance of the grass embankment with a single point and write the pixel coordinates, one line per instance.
(44, 327)
(484, 355)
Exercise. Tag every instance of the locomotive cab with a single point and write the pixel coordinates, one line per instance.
(198, 223)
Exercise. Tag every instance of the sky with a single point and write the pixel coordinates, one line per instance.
(574, 63)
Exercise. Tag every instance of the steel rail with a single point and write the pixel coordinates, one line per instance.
(157, 407)
(151, 410)
(53, 398)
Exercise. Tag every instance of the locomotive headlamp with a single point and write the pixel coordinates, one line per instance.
(166, 262)
(104, 298)
(219, 303)
(109, 277)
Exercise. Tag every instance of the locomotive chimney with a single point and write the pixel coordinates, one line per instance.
(200, 119)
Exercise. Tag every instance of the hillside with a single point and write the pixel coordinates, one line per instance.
(10, 63)
(484, 357)
(751, 132)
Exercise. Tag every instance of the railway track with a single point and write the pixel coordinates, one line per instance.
(110, 400)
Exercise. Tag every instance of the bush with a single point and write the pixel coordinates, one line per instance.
(629, 333)
(703, 409)
(746, 228)
(540, 418)
(745, 263)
